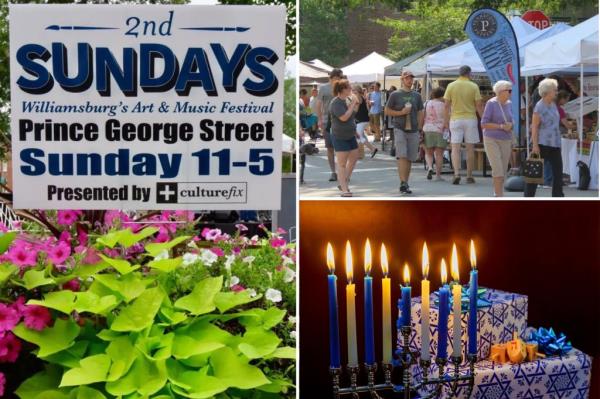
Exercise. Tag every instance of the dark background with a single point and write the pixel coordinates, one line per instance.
(548, 250)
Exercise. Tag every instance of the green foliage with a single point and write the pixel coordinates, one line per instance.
(131, 331)
(290, 105)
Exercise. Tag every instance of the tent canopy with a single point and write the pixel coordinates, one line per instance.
(310, 73)
(369, 69)
(320, 64)
(564, 51)
(396, 68)
(464, 53)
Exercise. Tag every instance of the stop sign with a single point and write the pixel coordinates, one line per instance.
(537, 19)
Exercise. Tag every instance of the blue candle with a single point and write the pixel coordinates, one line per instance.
(369, 330)
(473, 286)
(405, 299)
(444, 310)
(334, 326)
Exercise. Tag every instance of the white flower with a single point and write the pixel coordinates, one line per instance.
(249, 259)
(287, 260)
(251, 292)
(273, 295)
(254, 239)
(208, 257)
(164, 254)
(292, 319)
(293, 335)
(229, 261)
(289, 275)
(235, 280)
(189, 258)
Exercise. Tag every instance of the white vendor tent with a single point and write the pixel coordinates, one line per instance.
(451, 59)
(369, 69)
(565, 51)
(320, 64)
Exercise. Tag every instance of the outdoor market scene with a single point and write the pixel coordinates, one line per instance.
(448, 101)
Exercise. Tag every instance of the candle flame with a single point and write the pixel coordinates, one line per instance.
(473, 256)
(384, 261)
(406, 274)
(444, 272)
(425, 261)
(454, 264)
(330, 258)
(368, 258)
(349, 273)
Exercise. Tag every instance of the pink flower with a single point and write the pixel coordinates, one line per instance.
(2, 384)
(241, 227)
(217, 251)
(67, 218)
(10, 346)
(281, 231)
(196, 238)
(82, 236)
(236, 250)
(91, 257)
(222, 238)
(19, 304)
(59, 253)
(72, 285)
(65, 236)
(163, 235)
(211, 234)
(22, 256)
(237, 288)
(111, 253)
(277, 242)
(36, 317)
(185, 215)
(9, 317)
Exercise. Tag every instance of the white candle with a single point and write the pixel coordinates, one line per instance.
(425, 306)
(351, 309)
(456, 305)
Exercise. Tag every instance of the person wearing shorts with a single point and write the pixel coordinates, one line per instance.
(497, 124)
(435, 143)
(343, 132)
(362, 120)
(406, 106)
(463, 102)
(324, 97)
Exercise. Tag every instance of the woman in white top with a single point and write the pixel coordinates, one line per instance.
(435, 140)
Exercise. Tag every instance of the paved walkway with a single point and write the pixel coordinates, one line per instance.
(378, 177)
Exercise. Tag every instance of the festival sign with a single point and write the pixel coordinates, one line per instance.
(147, 107)
(494, 39)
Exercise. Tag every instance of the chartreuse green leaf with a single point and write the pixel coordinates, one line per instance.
(276, 386)
(89, 393)
(259, 317)
(156, 347)
(43, 383)
(36, 278)
(203, 329)
(121, 265)
(66, 301)
(122, 354)
(172, 317)
(125, 237)
(201, 385)
(50, 339)
(229, 300)
(285, 352)
(166, 265)
(145, 377)
(63, 301)
(127, 287)
(235, 371)
(6, 239)
(140, 314)
(202, 298)
(185, 346)
(154, 248)
(69, 357)
(92, 369)
(257, 343)
(7, 270)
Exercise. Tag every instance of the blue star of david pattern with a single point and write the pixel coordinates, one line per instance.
(561, 381)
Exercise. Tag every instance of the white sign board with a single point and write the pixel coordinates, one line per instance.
(147, 107)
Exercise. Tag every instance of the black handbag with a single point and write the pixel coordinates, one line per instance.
(533, 169)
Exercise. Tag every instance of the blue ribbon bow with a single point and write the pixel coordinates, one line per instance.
(550, 343)
(464, 300)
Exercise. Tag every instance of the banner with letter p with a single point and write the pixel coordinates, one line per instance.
(494, 39)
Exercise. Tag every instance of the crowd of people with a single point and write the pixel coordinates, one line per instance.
(450, 118)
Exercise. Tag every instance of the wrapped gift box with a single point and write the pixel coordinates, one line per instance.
(560, 377)
(496, 323)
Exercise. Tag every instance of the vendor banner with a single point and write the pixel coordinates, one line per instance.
(494, 39)
(147, 107)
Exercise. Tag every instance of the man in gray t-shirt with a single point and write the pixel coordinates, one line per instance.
(406, 108)
(324, 97)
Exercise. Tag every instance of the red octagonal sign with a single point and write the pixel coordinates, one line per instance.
(537, 19)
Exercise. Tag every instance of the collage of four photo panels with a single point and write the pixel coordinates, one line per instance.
(261, 199)
(448, 183)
